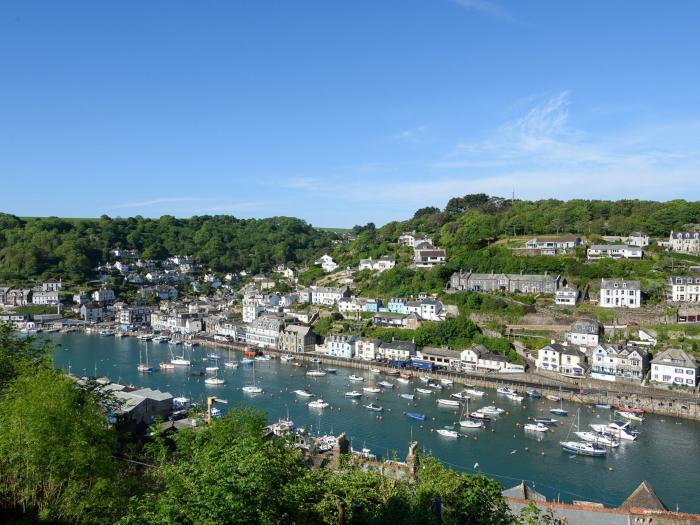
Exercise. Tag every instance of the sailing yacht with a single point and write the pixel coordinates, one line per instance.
(229, 363)
(214, 379)
(144, 367)
(181, 361)
(583, 448)
(252, 388)
(469, 422)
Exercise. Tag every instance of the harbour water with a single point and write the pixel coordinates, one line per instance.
(667, 453)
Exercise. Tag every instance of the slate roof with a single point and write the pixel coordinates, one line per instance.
(643, 497)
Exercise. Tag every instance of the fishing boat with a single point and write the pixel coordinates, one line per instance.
(630, 415)
(448, 402)
(372, 389)
(460, 395)
(415, 415)
(504, 390)
(447, 382)
(598, 438)
(386, 384)
(535, 427)
(474, 392)
(546, 420)
(410, 397)
(423, 391)
(514, 396)
(303, 393)
(448, 432)
(604, 406)
(316, 373)
(583, 448)
(318, 403)
(353, 377)
(403, 380)
(374, 408)
(534, 394)
(353, 394)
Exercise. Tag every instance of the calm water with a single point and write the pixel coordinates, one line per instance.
(667, 453)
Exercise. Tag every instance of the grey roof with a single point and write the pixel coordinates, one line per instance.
(490, 356)
(613, 247)
(606, 284)
(564, 350)
(675, 357)
(442, 352)
(301, 330)
(400, 345)
(585, 326)
(522, 491)
(643, 497)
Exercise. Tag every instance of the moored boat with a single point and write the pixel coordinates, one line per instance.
(474, 392)
(386, 384)
(374, 408)
(372, 389)
(354, 377)
(448, 402)
(632, 416)
(416, 416)
(583, 448)
(535, 427)
(470, 423)
(318, 403)
(598, 438)
(462, 396)
(410, 397)
(423, 391)
(252, 389)
(448, 432)
(303, 393)
(546, 420)
(353, 394)
(534, 394)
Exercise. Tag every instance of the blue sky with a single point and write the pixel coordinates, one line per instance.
(343, 112)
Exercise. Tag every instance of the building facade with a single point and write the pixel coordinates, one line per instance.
(618, 293)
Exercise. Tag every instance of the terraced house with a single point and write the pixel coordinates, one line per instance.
(619, 363)
(683, 289)
(504, 282)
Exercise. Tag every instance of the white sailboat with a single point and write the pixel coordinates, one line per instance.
(229, 363)
(469, 422)
(181, 361)
(144, 367)
(252, 388)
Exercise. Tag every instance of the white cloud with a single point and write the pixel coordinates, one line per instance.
(485, 7)
(185, 206)
(411, 135)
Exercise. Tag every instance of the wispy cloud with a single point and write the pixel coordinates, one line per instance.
(190, 206)
(413, 135)
(487, 8)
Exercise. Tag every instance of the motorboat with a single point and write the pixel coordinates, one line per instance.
(630, 415)
(214, 381)
(372, 389)
(263, 358)
(392, 372)
(474, 392)
(180, 403)
(316, 373)
(546, 420)
(318, 403)
(354, 377)
(534, 394)
(480, 415)
(535, 427)
(303, 393)
(102, 333)
(462, 396)
(598, 438)
(552, 397)
(211, 368)
(604, 406)
(448, 402)
(145, 337)
(448, 432)
(386, 384)
(504, 390)
(558, 412)
(403, 380)
(353, 394)
(331, 370)
(513, 396)
(314, 360)
(415, 415)
(375, 370)
(583, 448)
(470, 423)
(425, 379)
(435, 386)
(252, 389)
(423, 391)
(410, 397)
(619, 430)
(447, 382)
(374, 408)
(491, 410)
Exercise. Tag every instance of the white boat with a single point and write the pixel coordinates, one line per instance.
(477, 414)
(448, 402)
(546, 420)
(386, 384)
(303, 393)
(214, 381)
(374, 408)
(375, 370)
(425, 379)
(491, 410)
(247, 361)
(435, 386)
(470, 423)
(211, 368)
(252, 389)
(475, 393)
(535, 427)
(231, 364)
(410, 397)
(144, 367)
(462, 396)
(504, 390)
(423, 391)
(403, 380)
(619, 430)
(513, 396)
(447, 382)
(318, 403)
(353, 394)
(286, 358)
(215, 412)
(145, 337)
(166, 366)
(630, 415)
(446, 432)
(180, 362)
(315, 373)
(598, 439)
(583, 448)
(356, 378)
(552, 397)
(558, 411)
(181, 402)
(372, 389)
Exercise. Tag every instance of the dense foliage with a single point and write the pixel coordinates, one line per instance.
(70, 248)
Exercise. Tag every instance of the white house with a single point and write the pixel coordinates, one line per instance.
(349, 305)
(327, 263)
(429, 257)
(618, 293)
(492, 362)
(614, 363)
(584, 332)
(341, 345)
(103, 295)
(640, 239)
(428, 309)
(613, 251)
(397, 350)
(469, 357)
(566, 296)
(407, 238)
(367, 348)
(327, 295)
(45, 297)
(377, 265)
(562, 359)
(252, 311)
(675, 367)
(686, 242)
(683, 289)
